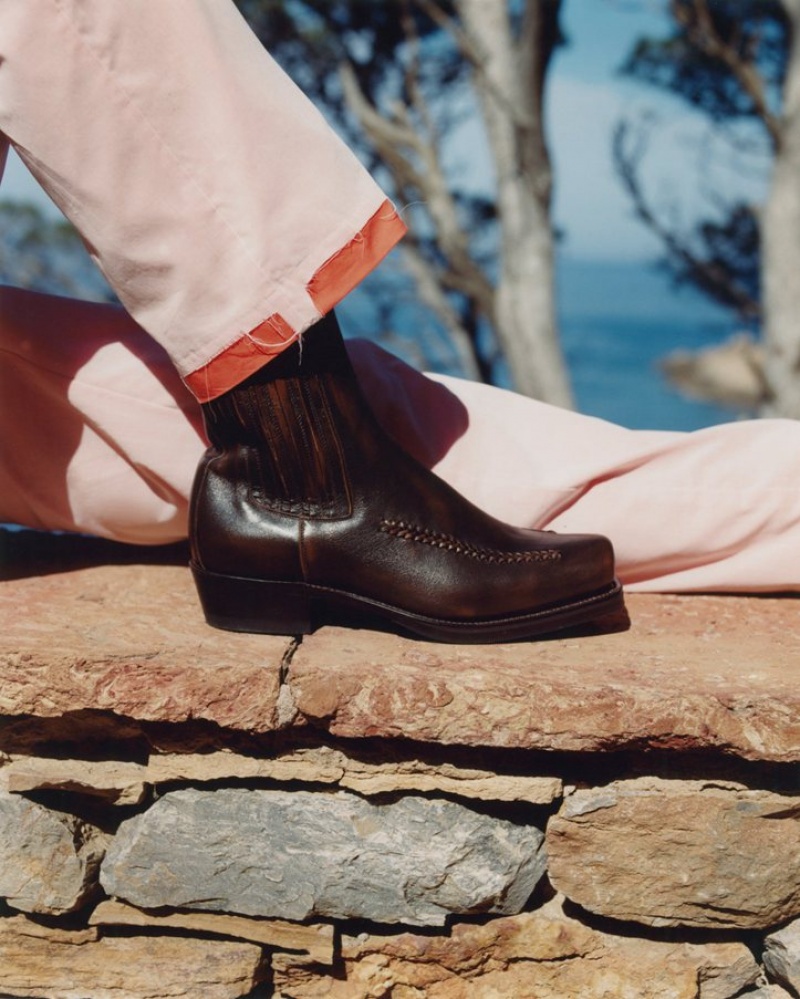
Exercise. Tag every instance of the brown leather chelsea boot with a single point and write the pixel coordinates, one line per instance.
(305, 511)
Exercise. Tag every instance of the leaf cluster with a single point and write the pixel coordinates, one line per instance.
(311, 39)
(726, 262)
(727, 59)
(712, 49)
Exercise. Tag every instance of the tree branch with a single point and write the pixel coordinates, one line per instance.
(709, 275)
(699, 25)
(431, 293)
(392, 139)
(474, 54)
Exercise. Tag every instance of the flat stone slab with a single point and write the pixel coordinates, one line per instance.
(39, 961)
(130, 640)
(693, 673)
(546, 954)
(126, 783)
(310, 943)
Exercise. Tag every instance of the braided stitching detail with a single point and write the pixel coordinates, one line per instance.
(409, 532)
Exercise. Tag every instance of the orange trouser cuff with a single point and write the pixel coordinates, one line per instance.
(328, 286)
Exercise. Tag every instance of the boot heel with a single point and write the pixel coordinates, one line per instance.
(254, 605)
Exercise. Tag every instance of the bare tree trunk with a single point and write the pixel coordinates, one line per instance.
(780, 255)
(414, 161)
(508, 64)
(508, 77)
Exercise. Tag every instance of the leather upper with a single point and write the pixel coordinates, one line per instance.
(302, 485)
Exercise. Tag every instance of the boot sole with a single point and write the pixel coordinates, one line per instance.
(267, 607)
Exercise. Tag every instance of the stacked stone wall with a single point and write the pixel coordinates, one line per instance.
(357, 816)
(221, 873)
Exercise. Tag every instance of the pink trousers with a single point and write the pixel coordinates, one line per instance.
(228, 218)
(224, 212)
(99, 434)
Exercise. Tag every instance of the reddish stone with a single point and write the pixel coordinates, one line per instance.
(130, 640)
(693, 673)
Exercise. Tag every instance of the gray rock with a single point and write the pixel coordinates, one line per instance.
(48, 860)
(299, 854)
(782, 955)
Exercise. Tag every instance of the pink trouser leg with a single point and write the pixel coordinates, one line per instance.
(98, 434)
(228, 218)
(717, 509)
(223, 210)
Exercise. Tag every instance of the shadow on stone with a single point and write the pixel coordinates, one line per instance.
(665, 934)
(25, 553)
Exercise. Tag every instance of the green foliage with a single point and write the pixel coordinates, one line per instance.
(727, 59)
(311, 39)
(731, 250)
(710, 44)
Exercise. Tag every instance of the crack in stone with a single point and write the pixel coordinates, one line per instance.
(286, 709)
(288, 656)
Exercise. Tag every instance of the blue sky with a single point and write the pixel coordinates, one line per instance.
(586, 97)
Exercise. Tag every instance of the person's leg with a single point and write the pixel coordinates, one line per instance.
(225, 213)
(111, 438)
(713, 510)
(229, 219)
(97, 432)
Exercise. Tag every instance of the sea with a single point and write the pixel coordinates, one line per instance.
(617, 320)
